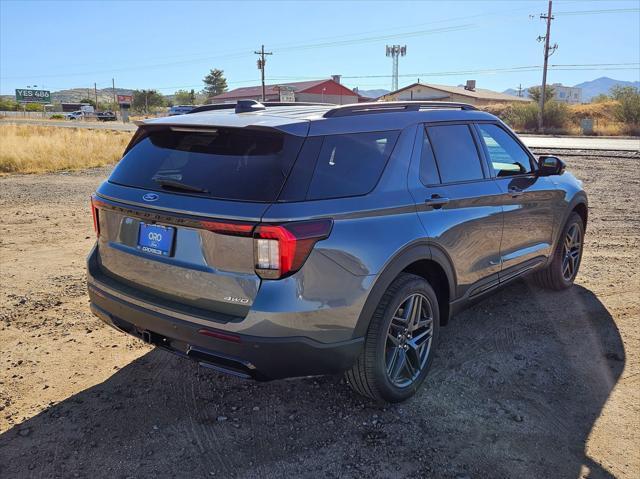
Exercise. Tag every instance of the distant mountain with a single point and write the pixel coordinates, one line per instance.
(74, 95)
(373, 93)
(590, 89)
(602, 85)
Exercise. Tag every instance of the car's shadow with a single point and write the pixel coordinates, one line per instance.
(515, 389)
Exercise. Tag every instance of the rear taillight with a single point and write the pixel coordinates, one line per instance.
(96, 215)
(230, 228)
(281, 250)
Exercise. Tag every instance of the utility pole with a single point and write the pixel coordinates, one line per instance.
(95, 91)
(261, 63)
(547, 53)
(520, 90)
(113, 90)
(395, 51)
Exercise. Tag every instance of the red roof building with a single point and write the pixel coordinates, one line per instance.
(323, 91)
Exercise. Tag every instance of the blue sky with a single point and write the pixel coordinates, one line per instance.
(170, 45)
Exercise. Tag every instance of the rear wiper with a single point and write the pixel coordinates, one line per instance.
(178, 185)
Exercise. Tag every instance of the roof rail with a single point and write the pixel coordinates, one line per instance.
(393, 107)
(296, 103)
(234, 105)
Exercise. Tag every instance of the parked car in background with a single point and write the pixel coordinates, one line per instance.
(75, 115)
(106, 116)
(180, 109)
(295, 240)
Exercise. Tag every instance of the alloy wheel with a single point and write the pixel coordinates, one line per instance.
(409, 340)
(571, 252)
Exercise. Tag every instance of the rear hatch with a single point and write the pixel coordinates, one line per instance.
(176, 216)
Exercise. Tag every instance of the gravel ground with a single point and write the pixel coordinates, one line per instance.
(528, 383)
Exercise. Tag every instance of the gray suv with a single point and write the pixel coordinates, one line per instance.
(278, 240)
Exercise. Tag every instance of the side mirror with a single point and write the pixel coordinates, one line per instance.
(550, 165)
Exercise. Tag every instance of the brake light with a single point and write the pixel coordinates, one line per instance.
(231, 228)
(281, 250)
(95, 213)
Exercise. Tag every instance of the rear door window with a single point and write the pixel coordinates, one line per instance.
(350, 164)
(223, 163)
(428, 169)
(506, 156)
(455, 153)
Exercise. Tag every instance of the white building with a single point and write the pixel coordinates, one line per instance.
(566, 94)
(465, 93)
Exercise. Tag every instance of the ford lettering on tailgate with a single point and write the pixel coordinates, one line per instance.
(156, 239)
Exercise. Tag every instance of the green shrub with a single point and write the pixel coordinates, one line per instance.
(524, 116)
(8, 105)
(34, 107)
(556, 115)
(56, 116)
(628, 109)
(519, 116)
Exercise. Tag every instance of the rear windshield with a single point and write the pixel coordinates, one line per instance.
(253, 165)
(223, 163)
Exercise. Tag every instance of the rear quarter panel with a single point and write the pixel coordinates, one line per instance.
(368, 231)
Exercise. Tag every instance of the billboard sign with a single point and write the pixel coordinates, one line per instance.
(287, 93)
(33, 96)
(125, 99)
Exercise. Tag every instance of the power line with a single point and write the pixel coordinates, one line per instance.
(530, 68)
(501, 13)
(432, 31)
(204, 55)
(323, 44)
(517, 69)
(599, 12)
(292, 47)
(239, 54)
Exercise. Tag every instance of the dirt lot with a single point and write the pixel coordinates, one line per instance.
(526, 384)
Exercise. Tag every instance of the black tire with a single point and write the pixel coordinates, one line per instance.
(555, 276)
(369, 376)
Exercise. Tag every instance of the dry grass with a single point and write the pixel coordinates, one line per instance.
(564, 119)
(38, 149)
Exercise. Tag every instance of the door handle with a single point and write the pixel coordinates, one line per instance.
(514, 191)
(436, 201)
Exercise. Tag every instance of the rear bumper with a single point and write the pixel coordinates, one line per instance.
(239, 354)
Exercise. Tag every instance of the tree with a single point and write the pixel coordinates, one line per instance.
(214, 83)
(536, 91)
(184, 97)
(34, 107)
(628, 108)
(8, 105)
(89, 101)
(146, 100)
